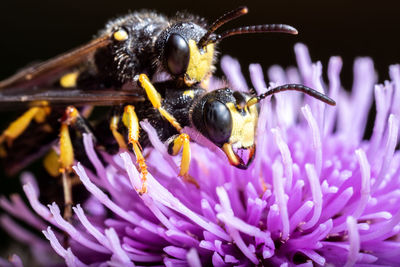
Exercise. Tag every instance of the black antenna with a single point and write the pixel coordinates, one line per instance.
(292, 87)
(283, 28)
(221, 21)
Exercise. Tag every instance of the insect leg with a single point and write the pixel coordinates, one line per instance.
(51, 163)
(66, 159)
(71, 118)
(182, 141)
(131, 122)
(114, 129)
(155, 100)
(17, 127)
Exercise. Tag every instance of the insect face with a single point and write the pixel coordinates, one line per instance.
(187, 50)
(180, 54)
(229, 119)
(183, 47)
(119, 68)
(225, 119)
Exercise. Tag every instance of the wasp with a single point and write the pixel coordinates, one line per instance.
(145, 66)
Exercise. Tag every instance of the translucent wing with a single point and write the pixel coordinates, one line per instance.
(16, 98)
(54, 67)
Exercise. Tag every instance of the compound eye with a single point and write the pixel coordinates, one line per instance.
(177, 54)
(218, 121)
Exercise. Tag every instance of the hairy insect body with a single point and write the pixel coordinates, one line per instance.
(176, 102)
(121, 61)
(143, 51)
(145, 66)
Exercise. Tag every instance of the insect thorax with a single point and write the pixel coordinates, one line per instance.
(122, 61)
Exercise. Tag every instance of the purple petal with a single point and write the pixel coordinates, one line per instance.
(231, 68)
(316, 137)
(316, 195)
(72, 260)
(354, 239)
(192, 258)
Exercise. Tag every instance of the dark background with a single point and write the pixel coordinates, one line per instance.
(37, 30)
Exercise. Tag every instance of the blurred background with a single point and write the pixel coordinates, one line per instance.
(37, 30)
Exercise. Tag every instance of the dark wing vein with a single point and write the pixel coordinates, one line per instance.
(43, 71)
(22, 98)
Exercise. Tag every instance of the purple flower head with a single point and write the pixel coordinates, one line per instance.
(316, 193)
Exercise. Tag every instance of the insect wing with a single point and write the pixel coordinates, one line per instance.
(54, 68)
(17, 98)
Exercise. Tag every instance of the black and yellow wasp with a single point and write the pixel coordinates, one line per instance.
(146, 66)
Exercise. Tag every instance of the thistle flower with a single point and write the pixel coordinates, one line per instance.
(317, 193)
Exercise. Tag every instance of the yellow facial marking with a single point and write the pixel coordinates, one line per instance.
(189, 93)
(243, 126)
(206, 81)
(200, 63)
(69, 80)
(120, 35)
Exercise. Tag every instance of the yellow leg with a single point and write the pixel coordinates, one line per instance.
(67, 186)
(131, 122)
(66, 158)
(182, 141)
(155, 99)
(17, 127)
(66, 149)
(114, 129)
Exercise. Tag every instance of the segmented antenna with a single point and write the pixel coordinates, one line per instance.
(221, 21)
(283, 28)
(292, 87)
